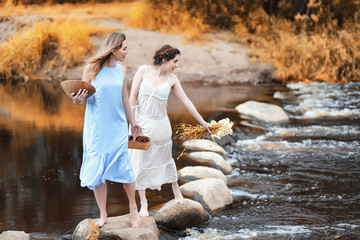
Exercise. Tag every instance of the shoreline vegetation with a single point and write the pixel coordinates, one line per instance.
(305, 40)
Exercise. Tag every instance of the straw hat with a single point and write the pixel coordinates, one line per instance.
(73, 86)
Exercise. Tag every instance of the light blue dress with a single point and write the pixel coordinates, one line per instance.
(105, 134)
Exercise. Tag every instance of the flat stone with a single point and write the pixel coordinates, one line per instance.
(211, 159)
(118, 228)
(14, 235)
(177, 216)
(204, 145)
(266, 112)
(212, 193)
(187, 174)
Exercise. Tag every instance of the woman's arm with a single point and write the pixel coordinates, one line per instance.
(180, 93)
(80, 96)
(135, 129)
(136, 86)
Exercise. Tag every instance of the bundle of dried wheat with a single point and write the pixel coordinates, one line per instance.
(187, 132)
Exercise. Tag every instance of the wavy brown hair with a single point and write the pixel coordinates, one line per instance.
(112, 42)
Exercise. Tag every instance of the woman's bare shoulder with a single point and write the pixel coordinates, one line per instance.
(123, 68)
(173, 79)
(87, 72)
(144, 67)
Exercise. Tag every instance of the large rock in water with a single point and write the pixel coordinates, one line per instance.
(266, 112)
(211, 159)
(119, 228)
(177, 216)
(187, 174)
(212, 193)
(14, 235)
(204, 145)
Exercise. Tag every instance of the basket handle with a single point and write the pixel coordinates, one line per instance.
(140, 134)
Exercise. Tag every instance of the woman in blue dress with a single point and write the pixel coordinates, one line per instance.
(105, 133)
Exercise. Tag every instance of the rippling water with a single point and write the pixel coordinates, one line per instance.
(298, 180)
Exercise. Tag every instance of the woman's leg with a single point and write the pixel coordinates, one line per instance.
(177, 193)
(134, 214)
(144, 204)
(100, 193)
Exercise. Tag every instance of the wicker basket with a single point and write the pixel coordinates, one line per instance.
(141, 142)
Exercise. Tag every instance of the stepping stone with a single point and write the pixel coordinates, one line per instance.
(266, 112)
(212, 193)
(14, 235)
(118, 228)
(204, 145)
(211, 159)
(188, 174)
(177, 216)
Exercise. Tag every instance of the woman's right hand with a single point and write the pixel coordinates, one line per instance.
(135, 129)
(206, 125)
(79, 97)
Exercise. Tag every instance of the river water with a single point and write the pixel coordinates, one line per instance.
(298, 180)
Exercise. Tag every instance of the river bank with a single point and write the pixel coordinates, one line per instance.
(220, 58)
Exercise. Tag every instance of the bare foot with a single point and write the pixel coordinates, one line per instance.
(179, 200)
(144, 210)
(177, 193)
(102, 221)
(135, 218)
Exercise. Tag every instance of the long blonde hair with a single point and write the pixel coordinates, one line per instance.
(112, 42)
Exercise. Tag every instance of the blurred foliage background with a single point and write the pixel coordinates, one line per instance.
(304, 40)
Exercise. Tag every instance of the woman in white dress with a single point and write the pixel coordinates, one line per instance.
(149, 95)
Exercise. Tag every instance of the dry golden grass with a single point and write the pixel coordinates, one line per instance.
(174, 19)
(57, 43)
(79, 11)
(325, 53)
(46, 46)
(312, 48)
(188, 132)
(23, 53)
(74, 40)
(93, 231)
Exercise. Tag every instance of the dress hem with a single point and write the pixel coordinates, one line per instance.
(157, 166)
(154, 188)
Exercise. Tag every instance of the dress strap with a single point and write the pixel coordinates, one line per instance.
(146, 73)
(168, 78)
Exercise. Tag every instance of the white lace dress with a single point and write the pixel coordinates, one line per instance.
(153, 167)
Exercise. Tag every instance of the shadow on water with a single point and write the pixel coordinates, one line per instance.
(281, 179)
